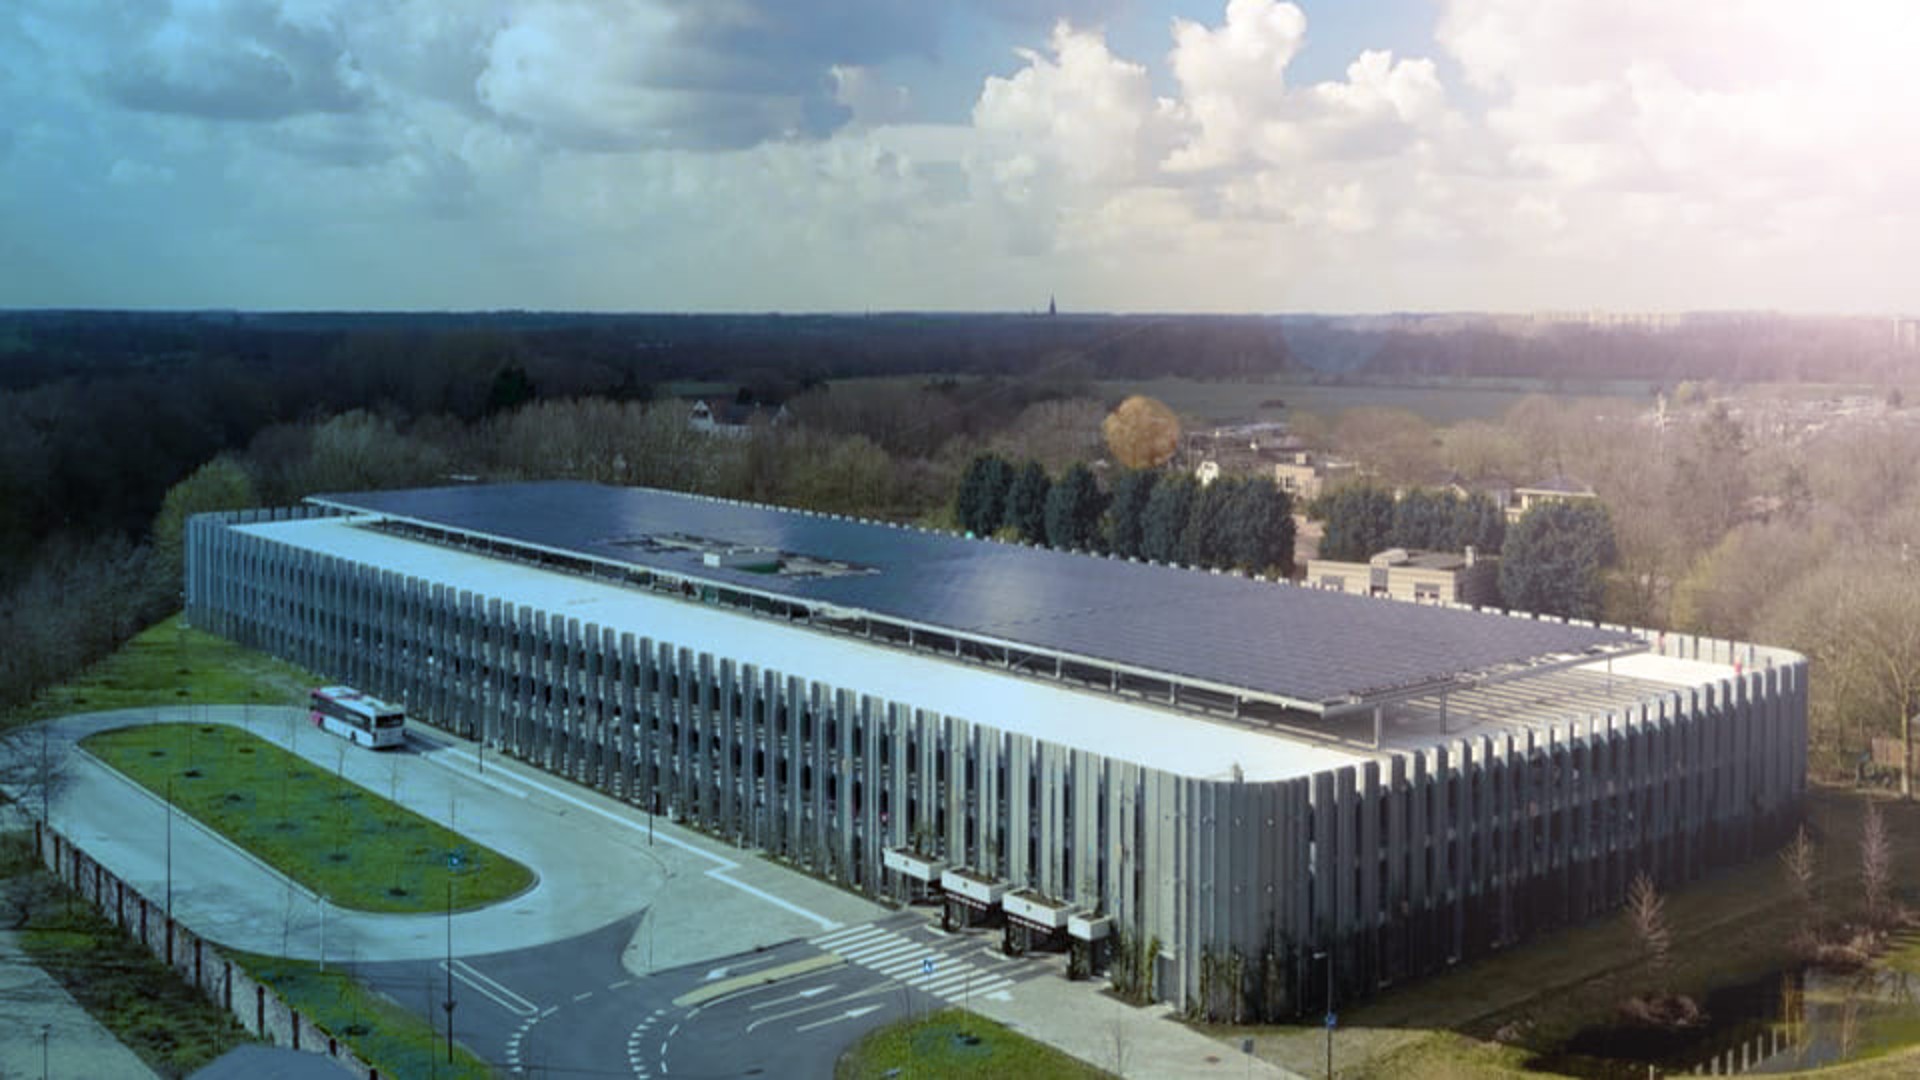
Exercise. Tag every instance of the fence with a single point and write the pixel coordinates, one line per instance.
(259, 1008)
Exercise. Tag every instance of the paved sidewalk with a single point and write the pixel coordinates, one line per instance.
(76, 1048)
(1081, 1019)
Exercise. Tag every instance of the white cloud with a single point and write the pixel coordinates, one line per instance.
(1233, 78)
(1081, 108)
(868, 98)
(755, 154)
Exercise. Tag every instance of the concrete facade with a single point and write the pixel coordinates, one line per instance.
(1420, 855)
(1427, 577)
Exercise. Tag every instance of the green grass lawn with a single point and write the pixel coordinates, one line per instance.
(955, 1043)
(348, 844)
(1442, 403)
(385, 1034)
(171, 664)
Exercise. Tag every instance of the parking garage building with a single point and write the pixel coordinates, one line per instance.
(1229, 788)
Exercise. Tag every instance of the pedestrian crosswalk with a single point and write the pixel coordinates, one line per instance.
(927, 966)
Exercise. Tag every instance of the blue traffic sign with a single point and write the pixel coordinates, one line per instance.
(1332, 1019)
(926, 965)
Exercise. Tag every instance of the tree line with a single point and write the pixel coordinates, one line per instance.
(1232, 523)
(1553, 561)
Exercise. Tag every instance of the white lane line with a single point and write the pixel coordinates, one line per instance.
(847, 936)
(850, 1014)
(876, 948)
(583, 997)
(618, 985)
(950, 983)
(880, 952)
(722, 867)
(491, 989)
(811, 991)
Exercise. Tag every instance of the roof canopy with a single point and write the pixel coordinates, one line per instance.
(1301, 648)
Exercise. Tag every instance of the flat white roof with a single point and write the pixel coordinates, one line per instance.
(1159, 738)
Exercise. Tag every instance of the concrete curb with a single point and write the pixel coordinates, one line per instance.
(189, 821)
(738, 983)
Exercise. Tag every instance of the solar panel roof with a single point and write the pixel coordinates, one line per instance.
(1308, 647)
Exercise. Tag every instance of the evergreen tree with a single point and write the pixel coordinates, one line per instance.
(1073, 509)
(1478, 523)
(1207, 538)
(1261, 517)
(1359, 521)
(1127, 510)
(1026, 512)
(1554, 556)
(981, 503)
(1166, 518)
(1424, 519)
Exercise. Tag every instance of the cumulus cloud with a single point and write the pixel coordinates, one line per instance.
(760, 153)
(869, 99)
(1233, 77)
(238, 60)
(1079, 107)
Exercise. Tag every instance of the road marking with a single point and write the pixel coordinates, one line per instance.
(850, 1014)
(618, 985)
(878, 988)
(847, 936)
(492, 989)
(716, 973)
(812, 991)
(583, 997)
(723, 865)
(868, 950)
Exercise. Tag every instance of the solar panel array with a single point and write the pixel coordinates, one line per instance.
(1304, 645)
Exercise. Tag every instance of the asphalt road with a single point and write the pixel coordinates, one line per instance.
(571, 1008)
(598, 861)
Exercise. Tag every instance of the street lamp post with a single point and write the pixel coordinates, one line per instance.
(1331, 1016)
(169, 847)
(453, 864)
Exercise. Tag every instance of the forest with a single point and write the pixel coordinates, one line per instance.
(1732, 514)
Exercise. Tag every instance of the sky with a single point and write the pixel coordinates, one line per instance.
(981, 155)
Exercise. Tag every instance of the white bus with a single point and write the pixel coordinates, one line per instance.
(353, 715)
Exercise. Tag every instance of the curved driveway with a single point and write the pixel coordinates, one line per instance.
(598, 860)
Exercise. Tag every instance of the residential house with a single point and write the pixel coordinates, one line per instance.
(1554, 489)
(732, 419)
(1424, 576)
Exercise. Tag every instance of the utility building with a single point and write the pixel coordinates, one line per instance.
(1235, 782)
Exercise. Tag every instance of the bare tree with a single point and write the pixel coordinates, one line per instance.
(1120, 1039)
(33, 768)
(1799, 861)
(1647, 914)
(1876, 863)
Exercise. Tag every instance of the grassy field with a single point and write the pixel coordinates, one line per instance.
(156, 1014)
(172, 664)
(348, 844)
(387, 1036)
(953, 1043)
(1440, 403)
(1493, 1015)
